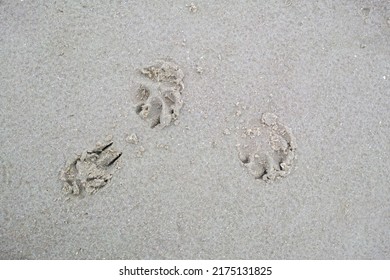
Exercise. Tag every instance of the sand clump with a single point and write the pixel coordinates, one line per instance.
(192, 8)
(132, 139)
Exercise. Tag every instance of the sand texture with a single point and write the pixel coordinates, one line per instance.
(195, 130)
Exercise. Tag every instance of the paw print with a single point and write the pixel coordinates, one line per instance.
(158, 100)
(91, 170)
(268, 149)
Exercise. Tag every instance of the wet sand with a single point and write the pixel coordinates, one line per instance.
(69, 76)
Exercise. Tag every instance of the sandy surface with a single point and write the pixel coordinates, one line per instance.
(68, 76)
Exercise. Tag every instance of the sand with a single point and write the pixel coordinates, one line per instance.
(70, 74)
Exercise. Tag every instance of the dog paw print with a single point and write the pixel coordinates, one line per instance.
(267, 149)
(158, 100)
(91, 170)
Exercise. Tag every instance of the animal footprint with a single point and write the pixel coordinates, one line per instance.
(91, 170)
(267, 149)
(158, 100)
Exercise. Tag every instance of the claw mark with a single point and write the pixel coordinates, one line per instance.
(114, 159)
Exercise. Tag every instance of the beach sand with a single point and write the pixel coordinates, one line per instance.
(69, 78)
